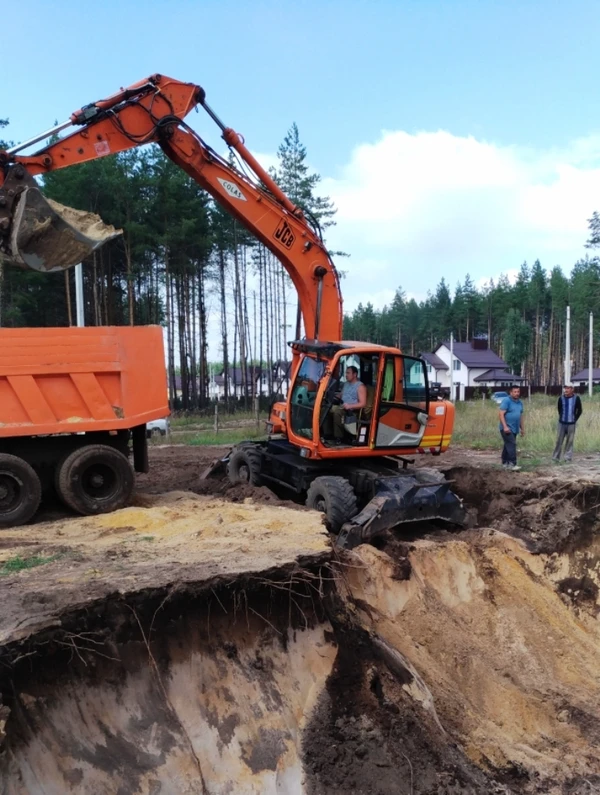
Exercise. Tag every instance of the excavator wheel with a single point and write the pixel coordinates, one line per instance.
(244, 465)
(335, 497)
(95, 479)
(20, 491)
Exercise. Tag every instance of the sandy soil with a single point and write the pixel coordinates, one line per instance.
(207, 640)
(175, 538)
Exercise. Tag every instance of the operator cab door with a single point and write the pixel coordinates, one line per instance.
(401, 416)
(303, 396)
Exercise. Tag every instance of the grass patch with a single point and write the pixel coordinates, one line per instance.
(476, 426)
(227, 436)
(17, 563)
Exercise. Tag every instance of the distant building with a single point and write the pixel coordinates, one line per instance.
(582, 377)
(279, 379)
(475, 364)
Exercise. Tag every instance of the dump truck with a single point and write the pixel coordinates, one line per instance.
(74, 403)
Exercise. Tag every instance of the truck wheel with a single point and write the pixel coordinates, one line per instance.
(244, 466)
(20, 491)
(95, 479)
(335, 497)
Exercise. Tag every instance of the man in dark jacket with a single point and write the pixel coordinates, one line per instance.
(569, 411)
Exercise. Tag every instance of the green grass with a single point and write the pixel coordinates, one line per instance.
(17, 563)
(476, 426)
(227, 436)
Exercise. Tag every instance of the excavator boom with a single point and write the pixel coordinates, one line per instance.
(37, 234)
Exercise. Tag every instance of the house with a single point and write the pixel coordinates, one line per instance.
(281, 376)
(436, 367)
(581, 378)
(497, 377)
(475, 364)
(240, 383)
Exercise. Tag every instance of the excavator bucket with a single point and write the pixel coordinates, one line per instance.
(400, 499)
(47, 236)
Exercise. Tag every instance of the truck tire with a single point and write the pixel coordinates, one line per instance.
(244, 465)
(20, 491)
(335, 497)
(95, 479)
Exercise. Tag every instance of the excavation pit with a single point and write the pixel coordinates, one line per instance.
(158, 652)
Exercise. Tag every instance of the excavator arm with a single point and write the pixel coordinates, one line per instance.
(41, 235)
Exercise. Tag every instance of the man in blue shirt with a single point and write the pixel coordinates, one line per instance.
(569, 411)
(511, 425)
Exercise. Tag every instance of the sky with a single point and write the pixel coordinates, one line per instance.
(454, 136)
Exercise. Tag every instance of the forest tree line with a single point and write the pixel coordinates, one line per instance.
(524, 322)
(179, 252)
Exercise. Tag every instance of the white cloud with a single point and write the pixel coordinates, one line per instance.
(414, 208)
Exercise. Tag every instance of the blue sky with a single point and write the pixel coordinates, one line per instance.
(457, 136)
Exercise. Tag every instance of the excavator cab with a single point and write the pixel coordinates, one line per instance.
(396, 411)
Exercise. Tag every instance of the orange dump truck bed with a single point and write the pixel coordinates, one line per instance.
(68, 380)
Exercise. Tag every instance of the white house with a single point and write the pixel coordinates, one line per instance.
(474, 364)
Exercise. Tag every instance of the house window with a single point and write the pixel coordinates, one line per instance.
(429, 368)
(456, 365)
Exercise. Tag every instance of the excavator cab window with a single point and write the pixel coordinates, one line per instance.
(404, 402)
(304, 393)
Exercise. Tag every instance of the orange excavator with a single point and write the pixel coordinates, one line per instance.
(347, 459)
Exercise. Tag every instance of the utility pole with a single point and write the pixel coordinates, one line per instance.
(591, 356)
(568, 347)
(79, 295)
(452, 366)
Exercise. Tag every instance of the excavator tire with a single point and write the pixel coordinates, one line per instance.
(20, 491)
(335, 497)
(244, 466)
(95, 479)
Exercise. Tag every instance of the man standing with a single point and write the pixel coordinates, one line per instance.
(569, 411)
(511, 425)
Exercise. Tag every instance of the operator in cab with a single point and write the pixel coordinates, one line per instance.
(353, 397)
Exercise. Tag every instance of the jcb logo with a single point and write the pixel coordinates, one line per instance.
(284, 234)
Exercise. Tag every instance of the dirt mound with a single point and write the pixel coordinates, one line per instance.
(164, 541)
(179, 468)
(550, 514)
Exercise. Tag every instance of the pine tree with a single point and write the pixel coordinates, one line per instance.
(517, 338)
(593, 240)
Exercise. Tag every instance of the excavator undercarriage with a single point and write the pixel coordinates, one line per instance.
(361, 499)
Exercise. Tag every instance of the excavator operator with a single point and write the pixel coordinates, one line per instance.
(353, 398)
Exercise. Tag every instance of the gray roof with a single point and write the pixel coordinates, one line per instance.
(434, 361)
(498, 374)
(473, 357)
(237, 376)
(583, 375)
